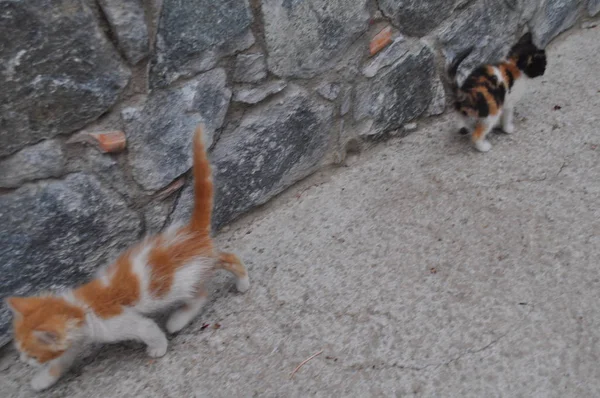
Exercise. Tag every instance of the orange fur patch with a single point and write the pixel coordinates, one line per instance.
(166, 258)
(509, 67)
(123, 289)
(230, 262)
(478, 132)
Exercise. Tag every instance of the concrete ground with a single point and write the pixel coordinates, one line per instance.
(425, 268)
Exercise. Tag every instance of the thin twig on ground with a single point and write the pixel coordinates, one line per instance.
(303, 362)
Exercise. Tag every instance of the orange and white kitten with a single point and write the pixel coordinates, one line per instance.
(161, 271)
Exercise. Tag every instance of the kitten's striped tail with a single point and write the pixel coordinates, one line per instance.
(203, 186)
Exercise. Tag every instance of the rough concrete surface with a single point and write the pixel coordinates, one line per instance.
(425, 268)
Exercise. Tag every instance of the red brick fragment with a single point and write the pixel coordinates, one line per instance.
(113, 141)
(380, 41)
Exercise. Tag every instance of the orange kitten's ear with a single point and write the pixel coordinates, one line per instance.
(47, 337)
(20, 305)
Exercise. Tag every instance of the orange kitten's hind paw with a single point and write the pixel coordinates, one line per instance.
(230, 262)
(243, 284)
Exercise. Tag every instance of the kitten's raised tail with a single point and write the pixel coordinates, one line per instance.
(453, 68)
(203, 186)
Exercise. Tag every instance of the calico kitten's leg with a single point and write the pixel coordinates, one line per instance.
(184, 315)
(482, 128)
(230, 262)
(52, 371)
(133, 326)
(507, 120)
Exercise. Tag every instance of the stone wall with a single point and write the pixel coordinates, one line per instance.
(100, 98)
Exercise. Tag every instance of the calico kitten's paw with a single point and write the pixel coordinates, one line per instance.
(42, 380)
(509, 128)
(483, 145)
(158, 350)
(243, 284)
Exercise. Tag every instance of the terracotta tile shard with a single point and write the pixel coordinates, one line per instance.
(114, 141)
(380, 41)
(108, 142)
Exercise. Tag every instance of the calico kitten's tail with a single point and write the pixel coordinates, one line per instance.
(203, 186)
(453, 69)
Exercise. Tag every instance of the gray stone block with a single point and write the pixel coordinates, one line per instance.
(593, 7)
(275, 145)
(54, 235)
(36, 162)
(255, 95)
(329, 91)
(487, 29)
(57, 71)
(193, 34)
(127, 21)
(250, 68)
(303, 37)
(160, 131)
(416, 17)
(553, 18)
(400, 94)
(385, 58)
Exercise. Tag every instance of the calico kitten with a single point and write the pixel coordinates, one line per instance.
(488, 96)
(167, 269)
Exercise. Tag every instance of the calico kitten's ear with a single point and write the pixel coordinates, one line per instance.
(527, 38)
(46, 337)
(20, 305)
(523, 46)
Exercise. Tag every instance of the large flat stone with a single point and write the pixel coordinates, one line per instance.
(127, 21)
(54, 235)
(400, 93)
(488, 29)
(35, 162)
(192, 34)
(416, 17)
(160, 130)
(553, 18)
(58, 72)
(303, 37)
(254, 95)
(275, 145)
(593, 7)
(250, 68)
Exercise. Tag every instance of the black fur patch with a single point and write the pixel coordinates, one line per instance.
(499, 92)
(463, 131)
(536, 65)
(511, 78)
(482, 106)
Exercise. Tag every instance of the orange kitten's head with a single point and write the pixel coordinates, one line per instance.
(44, 327)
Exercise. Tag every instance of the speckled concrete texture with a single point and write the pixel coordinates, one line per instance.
(424, 268)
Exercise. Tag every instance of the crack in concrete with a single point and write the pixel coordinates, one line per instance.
(381, 365)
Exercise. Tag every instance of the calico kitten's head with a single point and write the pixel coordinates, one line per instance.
(528, 58)
(44, 327)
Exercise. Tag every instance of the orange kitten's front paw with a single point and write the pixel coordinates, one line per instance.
(42, 380)
(158, 350)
